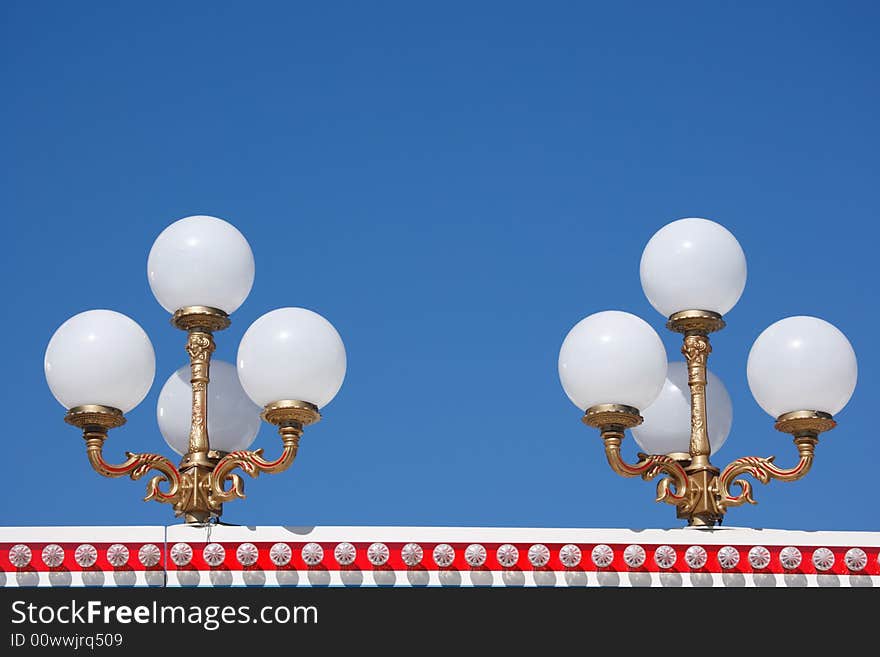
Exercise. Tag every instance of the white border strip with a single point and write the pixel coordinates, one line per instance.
(97, 578)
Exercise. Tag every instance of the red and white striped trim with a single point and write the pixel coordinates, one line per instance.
(274, 555)
(302, 556)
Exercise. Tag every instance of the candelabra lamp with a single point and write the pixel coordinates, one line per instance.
(291, 362)
(613, 366)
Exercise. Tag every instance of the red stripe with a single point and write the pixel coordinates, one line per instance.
(395, 562)
(70, 564)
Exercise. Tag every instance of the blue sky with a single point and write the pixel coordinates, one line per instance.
(453, 186)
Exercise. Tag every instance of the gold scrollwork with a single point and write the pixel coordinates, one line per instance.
(672, 490)
(136, 466)
(763, 469)
(696, 350)
(252, 463)
(199, 346)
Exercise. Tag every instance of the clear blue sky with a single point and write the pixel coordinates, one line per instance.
(453, 186)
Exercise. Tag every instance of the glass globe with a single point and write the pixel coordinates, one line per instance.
(693, 264)
(201, 261)
(667, 425)
(802, 364)
(291, 354)
(233, 419)
(612, 357)
(100, 357)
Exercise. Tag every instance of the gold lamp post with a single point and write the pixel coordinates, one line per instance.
(801, 370)
(100, 364)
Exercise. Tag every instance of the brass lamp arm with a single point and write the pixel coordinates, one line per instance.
(648, 467)
(135, 466)
(253, 463)
(762, 469)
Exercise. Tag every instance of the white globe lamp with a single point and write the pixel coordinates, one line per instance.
(233, 419)
(667, 422)
(200, 261)
(802, 363)
(612, 357)
(693, 264)
(100, 357)
(291, 354)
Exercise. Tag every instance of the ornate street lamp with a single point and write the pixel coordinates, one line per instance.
(801, 370)
(291, 362)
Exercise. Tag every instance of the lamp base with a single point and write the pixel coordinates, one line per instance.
(604, 416)
(291, 411)
(200, 318)
(805, 423)
(94, 415)
(701, 322)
